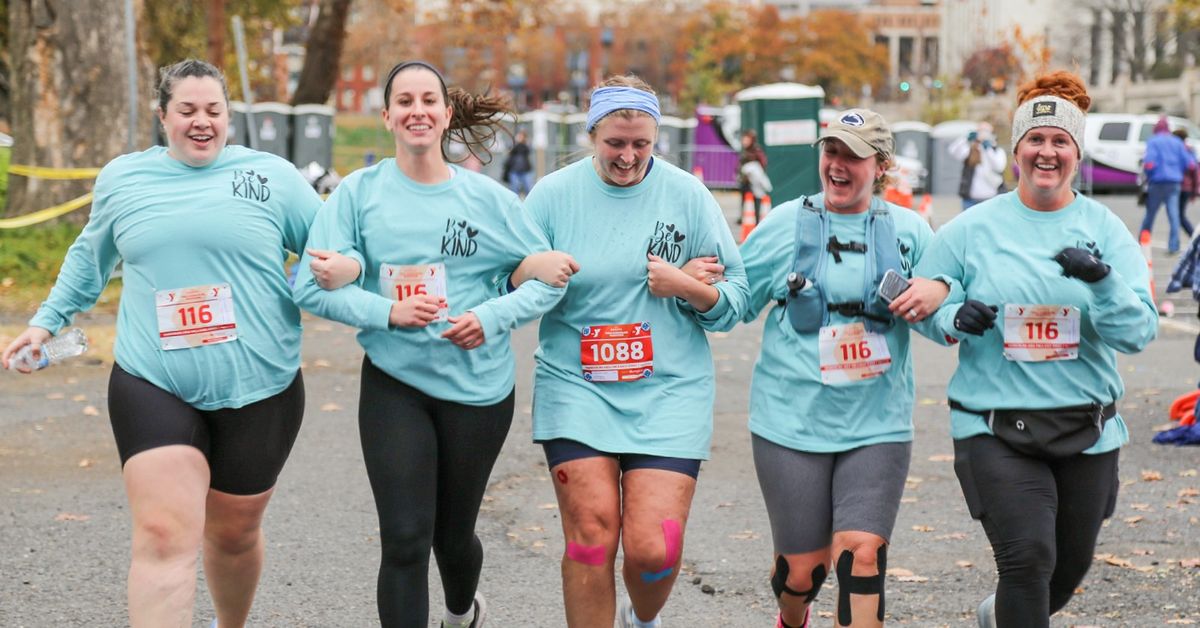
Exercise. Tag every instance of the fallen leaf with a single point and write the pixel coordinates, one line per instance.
(965, 564)
(1118, 562)
(548, 507)
(1134, 520)
(55, 395)
(923, 528)
(79, 398)
(537, 545)
(927, 401)
(1188, 492)
(953, 536)
(330, 407)
(321, 363)
(942, 458)
(1190, 563)
(897, 572)
(535, 529)
(744, 535)
(912, 579)
(1189, 473)
(91, 411)
(1181, 620)
(1140, 507)
(908, 500)
(1142, 552)
(1151, 476)
(66, 516)
(85, 463)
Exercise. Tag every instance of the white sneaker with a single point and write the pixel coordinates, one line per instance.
(480, 608)
(627, 619)
(986, 613)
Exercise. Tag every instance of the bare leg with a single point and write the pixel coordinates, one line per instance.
(590, 504)
(233, 553)
(166, 487)
(652, 547)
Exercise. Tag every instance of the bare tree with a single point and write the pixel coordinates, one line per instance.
(322, 53)
(69, 104)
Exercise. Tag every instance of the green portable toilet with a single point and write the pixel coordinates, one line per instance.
(786, 118)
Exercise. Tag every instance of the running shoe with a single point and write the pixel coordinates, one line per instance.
(627, 619)
(480, 608)
(986, 613)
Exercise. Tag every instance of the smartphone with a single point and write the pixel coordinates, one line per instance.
(892, 285)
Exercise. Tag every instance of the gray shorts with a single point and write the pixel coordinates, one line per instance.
(810, 496)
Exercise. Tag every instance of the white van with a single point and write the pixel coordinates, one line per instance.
(1114, 144)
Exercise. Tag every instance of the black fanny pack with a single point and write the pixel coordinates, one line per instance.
(1050, 432)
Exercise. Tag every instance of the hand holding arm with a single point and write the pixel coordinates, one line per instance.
(665, 281)
(553, 268)
(705, 269)
(331, 269)
(416, 311)
(975, 317)
(466, 331)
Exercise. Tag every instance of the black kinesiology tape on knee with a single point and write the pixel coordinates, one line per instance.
(779, 581)
(859, 585)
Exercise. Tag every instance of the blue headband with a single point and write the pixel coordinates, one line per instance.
(606, 100)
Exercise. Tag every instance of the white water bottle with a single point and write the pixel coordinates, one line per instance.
(54, 350)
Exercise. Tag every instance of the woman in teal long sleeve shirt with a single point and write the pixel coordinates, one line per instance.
(430, 246)
(831, 399)
(1053, 286)
(206, 395)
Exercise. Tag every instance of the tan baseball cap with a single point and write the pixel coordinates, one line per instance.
(864, 131)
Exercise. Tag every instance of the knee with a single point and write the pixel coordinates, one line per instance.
(866, 559)
(165, 537)
(1026, 558)
(232, 537)
(799, 578)
(406, 542)
(654, 551)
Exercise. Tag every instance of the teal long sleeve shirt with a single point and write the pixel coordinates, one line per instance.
(174, 227)
(610, 230)
(1002, 253)
(789, 404)
(473, 226)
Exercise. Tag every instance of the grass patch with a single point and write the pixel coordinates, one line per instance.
(356, 136)
(30, 259)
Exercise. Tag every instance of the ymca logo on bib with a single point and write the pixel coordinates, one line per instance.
(666, 242)
(251, 185)
(459, 239)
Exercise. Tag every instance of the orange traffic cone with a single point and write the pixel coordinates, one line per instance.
(925, 209)
(749, 222)
(764, 208)
(1144, 240)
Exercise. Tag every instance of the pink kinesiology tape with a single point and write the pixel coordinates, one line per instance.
(588, 555)
(673, 535)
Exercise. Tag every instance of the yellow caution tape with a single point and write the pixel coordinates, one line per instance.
(45, 214)
(38, 172)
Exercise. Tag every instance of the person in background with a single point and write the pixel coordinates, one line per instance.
(430, 245)
(624, 384)
(206, 395)
(518, 167)
(832, 395)
(983, 165)
(1053, 286)
(748, 177)
(1166, 163)
(1189, 187)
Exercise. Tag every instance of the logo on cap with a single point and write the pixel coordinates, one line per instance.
(1044, 108)
(852, 119)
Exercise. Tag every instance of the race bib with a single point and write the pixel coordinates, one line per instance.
(1039, 333)
(194, 317)
(400, 282)
(616, 353)
(849, 353)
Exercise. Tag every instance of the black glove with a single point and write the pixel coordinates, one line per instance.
(975, 317)
(1082, 264)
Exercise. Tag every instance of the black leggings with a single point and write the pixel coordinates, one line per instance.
(1042, 518)
(429, 462)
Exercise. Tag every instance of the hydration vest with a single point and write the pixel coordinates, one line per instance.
(808, 309)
